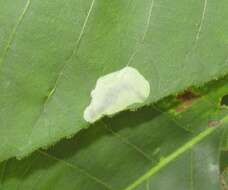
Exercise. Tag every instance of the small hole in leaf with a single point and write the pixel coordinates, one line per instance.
(224, 100)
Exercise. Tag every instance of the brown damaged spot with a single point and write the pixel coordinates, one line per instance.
(186, 98)
(213, 123)
(223, 182)
(187, 95)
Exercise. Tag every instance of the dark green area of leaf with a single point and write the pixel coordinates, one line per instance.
(224, 101)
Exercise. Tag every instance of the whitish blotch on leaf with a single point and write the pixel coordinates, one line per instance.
(116, 91)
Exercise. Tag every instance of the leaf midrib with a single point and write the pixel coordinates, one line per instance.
(187, 146)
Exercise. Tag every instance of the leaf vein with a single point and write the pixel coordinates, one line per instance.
(14, 31)
(73, 166)
(52, 92)
(141, 40)
(187, 146)
(127, 142)
(201, 21)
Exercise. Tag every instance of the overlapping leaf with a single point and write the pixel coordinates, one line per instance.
(158, 147)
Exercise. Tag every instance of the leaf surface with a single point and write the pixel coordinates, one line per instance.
(52, 52)
(153, 148)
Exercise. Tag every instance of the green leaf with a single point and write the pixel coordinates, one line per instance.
(196, 169)
(52, 52)
(225, 185)
(224, 176)
(225, 140)
(149, 148)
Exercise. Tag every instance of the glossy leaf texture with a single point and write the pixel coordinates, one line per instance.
(52, 52)
(175, 144)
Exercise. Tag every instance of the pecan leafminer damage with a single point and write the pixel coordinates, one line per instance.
(186, 99)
